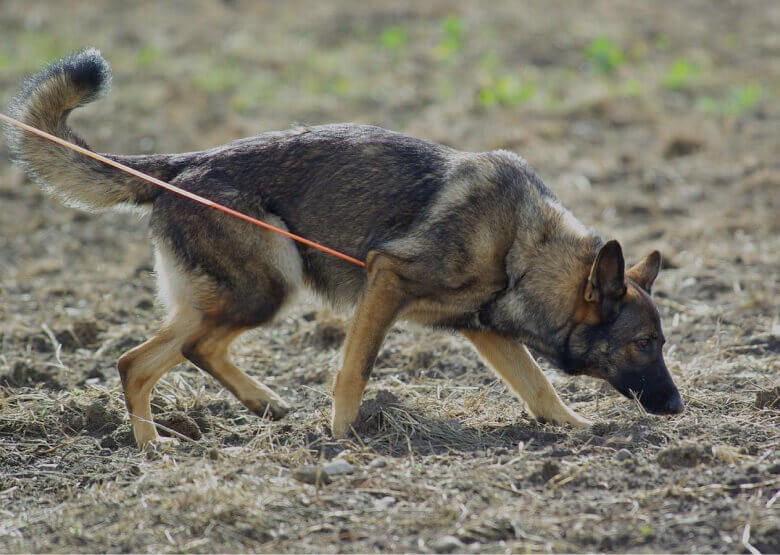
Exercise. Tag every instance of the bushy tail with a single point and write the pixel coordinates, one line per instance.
(47, 99)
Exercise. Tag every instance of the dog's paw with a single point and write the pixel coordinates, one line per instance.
(572, 419)
(275, 410)
(341, 425)
(158, 444)
(576, 421)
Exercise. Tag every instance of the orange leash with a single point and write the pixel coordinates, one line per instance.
(178, 190)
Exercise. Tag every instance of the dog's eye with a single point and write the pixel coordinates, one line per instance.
(642, 344)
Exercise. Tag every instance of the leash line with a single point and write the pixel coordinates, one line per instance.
(178, 190)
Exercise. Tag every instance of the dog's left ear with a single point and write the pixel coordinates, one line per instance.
(606, 285)
(646, 270)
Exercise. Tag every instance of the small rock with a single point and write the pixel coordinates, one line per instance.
(379, 462)
(384, 502)
(311, 474)
(336, 468)
(683, 456)
(623, 455)
(446, 544)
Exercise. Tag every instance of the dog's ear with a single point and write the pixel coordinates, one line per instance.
(606, 284)
(646, 270)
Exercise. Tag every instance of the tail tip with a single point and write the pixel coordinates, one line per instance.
(86, 71)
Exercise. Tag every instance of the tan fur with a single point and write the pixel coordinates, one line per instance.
(512, 361)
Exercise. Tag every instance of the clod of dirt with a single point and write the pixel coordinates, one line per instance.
(81, 334)
(421, 358)
(683, 456)
(370, 414)
(181, 423)
(328, 334)
(765, 342)
(73, 420)
(549, 470)
(488, 531)
(202, 418)
(121, 437)
(41, 344)
(100, 418)
(95, 373)
(311, 474)
(23, 375)
(446, 544)
(682, 146)
(603, 428)
(768, 398)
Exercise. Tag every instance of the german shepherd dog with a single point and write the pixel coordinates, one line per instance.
(470, 242)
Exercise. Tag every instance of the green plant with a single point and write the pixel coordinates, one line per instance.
(147, 56)
(662, 41)
(738, 100)
(680, 73)
(505, 90)
(454, 29)
(218, 79)
(604, 55)
(630, 88)
(394, 38)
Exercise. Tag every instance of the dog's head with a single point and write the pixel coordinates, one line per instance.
(616, 333)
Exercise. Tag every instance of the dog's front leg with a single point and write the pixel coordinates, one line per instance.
(512, 361)
(382, 300)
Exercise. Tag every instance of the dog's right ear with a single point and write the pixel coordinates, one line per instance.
(606, 285)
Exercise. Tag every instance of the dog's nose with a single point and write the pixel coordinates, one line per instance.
(674, 405)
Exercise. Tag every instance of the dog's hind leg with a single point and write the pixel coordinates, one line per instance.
(512, 361)
(141, 368)
(208, 350)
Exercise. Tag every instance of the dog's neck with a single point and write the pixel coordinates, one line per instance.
(547, 268)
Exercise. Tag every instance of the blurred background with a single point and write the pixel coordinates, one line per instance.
(655, 122)
(192, 74)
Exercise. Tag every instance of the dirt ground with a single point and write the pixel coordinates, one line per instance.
(656, 123)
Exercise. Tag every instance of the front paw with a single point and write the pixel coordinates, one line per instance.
(576, 421)
(571, 418)
(341, 423)
(159, 444)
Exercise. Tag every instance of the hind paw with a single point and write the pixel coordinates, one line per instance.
(275, 410)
